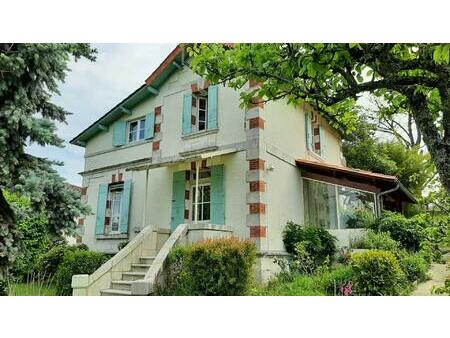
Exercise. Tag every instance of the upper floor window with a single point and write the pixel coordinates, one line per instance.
(199, 112)
(314, 133)
(136, 130)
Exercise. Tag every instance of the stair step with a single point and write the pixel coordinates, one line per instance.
(132, 275)
(139, 267)
(147, 260)
(121, 285)
(115, 292)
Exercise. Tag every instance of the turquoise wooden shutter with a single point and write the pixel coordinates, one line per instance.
(217, 195)
(178, 187)
(119, 133)
(149, 125)
(322, 141)
(125, 207)
(187, 112)
(308, 131)
(212, 107)
(101, 208)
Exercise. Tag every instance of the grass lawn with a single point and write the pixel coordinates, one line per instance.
(32, 289)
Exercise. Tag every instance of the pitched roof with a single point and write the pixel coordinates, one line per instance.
(153, 83)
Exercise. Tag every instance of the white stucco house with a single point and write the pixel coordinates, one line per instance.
(180, 151)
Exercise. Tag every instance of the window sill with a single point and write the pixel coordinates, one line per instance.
(199, 134)
(315, 155)
(111, 236)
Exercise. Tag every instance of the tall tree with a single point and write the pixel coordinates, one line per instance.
(331, 77)
(29, 77)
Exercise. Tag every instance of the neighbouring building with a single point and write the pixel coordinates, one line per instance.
(180, 150)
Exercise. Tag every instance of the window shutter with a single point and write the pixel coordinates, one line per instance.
(125, 207)
(308, 131)
(101, 209)
(187, 112)
(119, 133)
(149, 125)
(212, 107)
(322, 141)
(217, 195)
(178, 187)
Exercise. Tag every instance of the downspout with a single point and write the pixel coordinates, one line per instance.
(385, 193)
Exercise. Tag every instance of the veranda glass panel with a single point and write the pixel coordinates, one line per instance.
(320, 204)
(332, 206)
(352, 202)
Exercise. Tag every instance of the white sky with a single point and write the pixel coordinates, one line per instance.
(92, 88)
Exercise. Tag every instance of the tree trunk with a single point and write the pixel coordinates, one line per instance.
(438, 145)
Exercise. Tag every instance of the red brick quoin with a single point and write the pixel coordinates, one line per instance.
(256, 122)
(257, 231)
(155, 145)
(256, 164)
(257, 208)
(257, 186)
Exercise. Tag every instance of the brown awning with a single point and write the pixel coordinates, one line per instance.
(355, 178)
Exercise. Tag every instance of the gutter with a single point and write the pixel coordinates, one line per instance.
(379, 195)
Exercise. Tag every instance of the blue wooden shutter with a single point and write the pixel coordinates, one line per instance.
(178, 187)
(212, 107)
(322, 141)
(119, 133)
(125, 207)
(187, 112)
(217, 195)
(101, 208)
(308, 131)
(149, 125)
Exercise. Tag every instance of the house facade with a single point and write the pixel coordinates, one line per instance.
(179, 150)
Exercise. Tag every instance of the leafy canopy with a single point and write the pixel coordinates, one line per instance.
(331, 77)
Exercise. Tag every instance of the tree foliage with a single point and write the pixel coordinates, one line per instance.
(30, 75)
(330, 77)
(412, 167)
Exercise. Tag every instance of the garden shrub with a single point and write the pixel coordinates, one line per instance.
(376, 273)
(380, 240)
(360, 219)
(76, 262)
(3, 287)
(414, 265)
(338, 281)
(317, 241)
(213, 267)
(407, 231)
(49, 261)
(122, 245)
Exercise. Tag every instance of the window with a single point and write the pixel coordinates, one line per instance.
(332, 206)
(204, 201)
(115, 203)
(316, 134)
(136, 130)
(199, 112)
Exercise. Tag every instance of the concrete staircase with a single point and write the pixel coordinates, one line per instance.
(122, 287)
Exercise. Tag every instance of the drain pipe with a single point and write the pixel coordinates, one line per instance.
(385, 193)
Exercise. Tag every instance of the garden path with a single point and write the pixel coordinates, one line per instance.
(438, 274)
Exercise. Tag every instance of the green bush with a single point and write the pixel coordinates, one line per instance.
(322, 283)
(48, 262)
(76, 262)
(317, 241)
(213, 267)
(407, 231)
(376, 273)
(380, 240)
(360, 219)
(3, 287)
(414, 265)
(122, 245)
